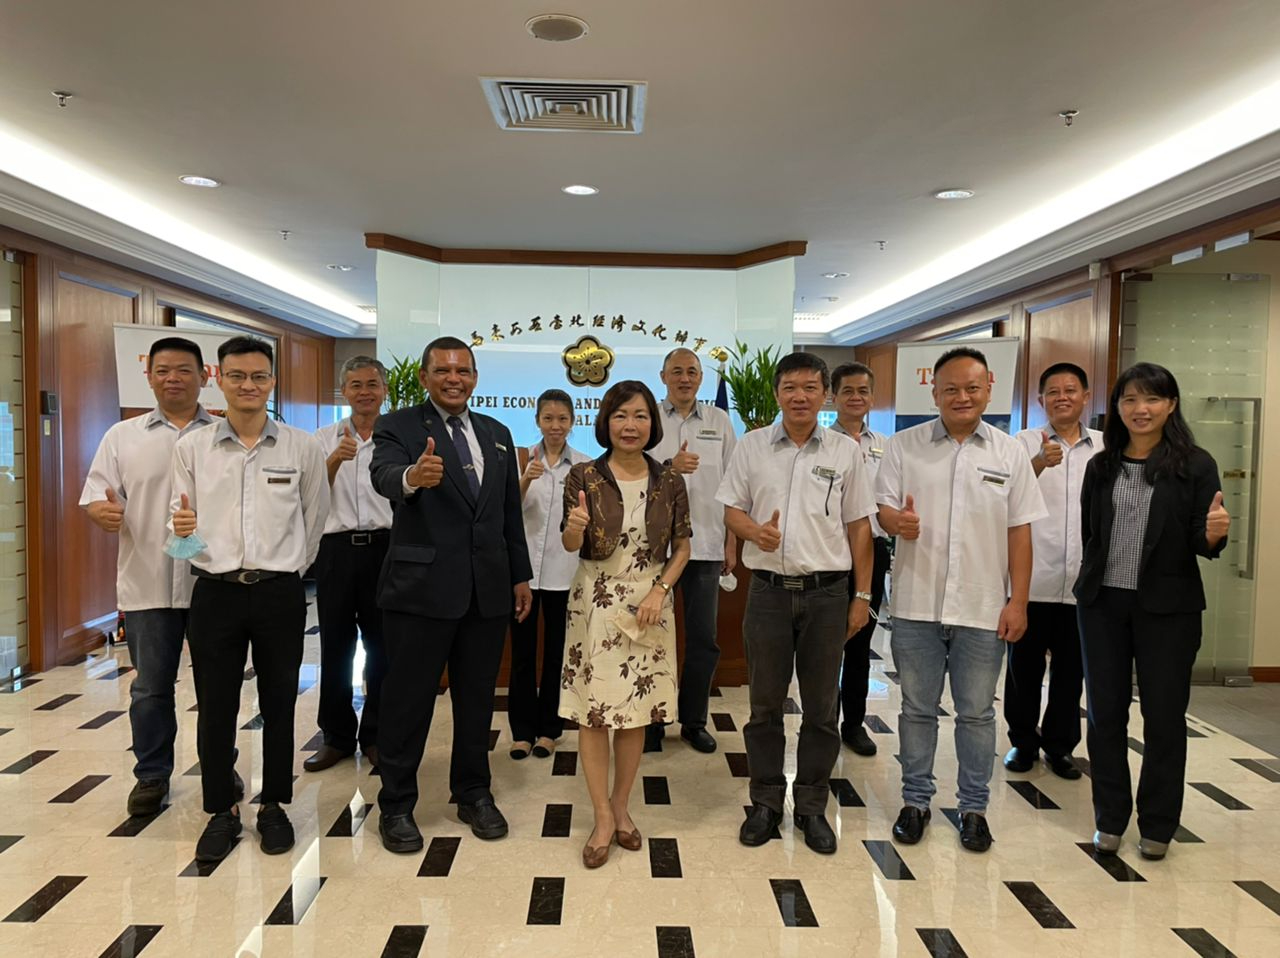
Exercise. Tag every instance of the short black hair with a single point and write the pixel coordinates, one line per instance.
(851, 369)
(445, 343)
(619, 394)
(960, 352)
(1059, 368)
(553, 395)
(243, 345)
(178, 345)
(798, 360)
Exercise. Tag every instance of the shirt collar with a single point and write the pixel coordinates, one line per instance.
(465, 415)
(866, 430)
(157, 418)
(566, 454)
(1085, 435)
(669, 408)
(939, 432)
(224, 431)
(779, 433)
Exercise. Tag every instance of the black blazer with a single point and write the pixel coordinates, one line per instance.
(444, 542)
(1168, 576)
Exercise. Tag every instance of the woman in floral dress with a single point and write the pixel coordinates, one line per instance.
(628, 519)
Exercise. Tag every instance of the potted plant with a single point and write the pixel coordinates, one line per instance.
(404, 388)
(750, 380)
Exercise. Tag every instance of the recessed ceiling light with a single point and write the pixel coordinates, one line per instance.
(556, 27)
(579, 189)
(206, 181)
(340, 267)
(953, 194)
(835, 275)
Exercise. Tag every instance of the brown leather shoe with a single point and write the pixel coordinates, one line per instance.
(631, 840)
(595, 857)
(326, 757)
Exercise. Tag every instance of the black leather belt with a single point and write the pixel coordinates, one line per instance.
(360, 538)
(240, 576)
(801, 583)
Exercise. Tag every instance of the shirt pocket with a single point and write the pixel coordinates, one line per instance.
(280, 483)
(993, 483)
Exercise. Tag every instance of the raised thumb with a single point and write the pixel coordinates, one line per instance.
(537, 452)
(773, 519)
(1217, 500)
(1045, 438)
(346, 431)
(684, 446)
(111, 495)
(582, 499)
(911, 504)
(186, 503)
(431, 446)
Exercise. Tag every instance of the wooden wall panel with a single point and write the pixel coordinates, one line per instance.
(302, 368)
(1062, 333)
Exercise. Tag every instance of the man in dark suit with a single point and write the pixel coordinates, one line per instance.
(456, 562)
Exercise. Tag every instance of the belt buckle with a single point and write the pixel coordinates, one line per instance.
(247, 577)
(361, 538)
(793, 582)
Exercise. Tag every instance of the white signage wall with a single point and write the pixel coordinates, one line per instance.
(913, 384)
(133, 343)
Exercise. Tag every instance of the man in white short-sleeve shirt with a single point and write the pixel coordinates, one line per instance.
(960, 496)
(1059, 452)
(698, 441)
(127, 493)
(798, 497)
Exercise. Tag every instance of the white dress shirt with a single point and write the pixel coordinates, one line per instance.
(1055, 540)
(709, 432)
(473, 443)
(134, 460)
(819, 488)
(543, 508)
(968, 496)
(353, 505)
(872, 445)
(260, 508)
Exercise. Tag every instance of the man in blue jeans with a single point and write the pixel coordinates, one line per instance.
(127, 494)
(960, 496)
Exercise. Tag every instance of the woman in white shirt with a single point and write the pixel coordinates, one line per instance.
(533, 705)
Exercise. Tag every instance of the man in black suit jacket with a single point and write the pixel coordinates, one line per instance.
(456, 563)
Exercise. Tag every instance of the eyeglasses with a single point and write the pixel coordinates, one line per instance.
(237, 378)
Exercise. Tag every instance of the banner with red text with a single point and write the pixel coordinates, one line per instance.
(913, 399)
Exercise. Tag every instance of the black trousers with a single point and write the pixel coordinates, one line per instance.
(1117, 635)
(228, 622)
(346, 592)
(1053, 629)
(855, 672)
(533, 706)
(418, 649)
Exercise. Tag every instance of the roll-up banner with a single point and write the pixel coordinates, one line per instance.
(133, 343)
(913, 398)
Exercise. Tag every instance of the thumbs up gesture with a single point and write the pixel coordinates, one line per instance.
(535, 469)
(184, 519)
(1217, 522)
(428, 471)
(770, 536)
(109, 515)
(684, 461)
(908, 520)
(346, 450)
(1050, 451)
(576, 521)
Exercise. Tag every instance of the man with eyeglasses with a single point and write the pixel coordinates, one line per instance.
(960, 496)
(257, 494)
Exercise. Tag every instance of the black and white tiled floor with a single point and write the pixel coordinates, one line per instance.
(79, 878)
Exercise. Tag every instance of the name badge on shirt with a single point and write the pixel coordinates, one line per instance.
(824, 472)
(283, 480)
(710, 434)
(993, 477)
(876, 454)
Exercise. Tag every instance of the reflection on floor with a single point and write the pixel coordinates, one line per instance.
(78, 878)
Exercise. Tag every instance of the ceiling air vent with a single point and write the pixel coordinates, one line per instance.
(566, 106)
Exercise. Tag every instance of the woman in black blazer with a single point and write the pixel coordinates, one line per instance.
(1151, 503)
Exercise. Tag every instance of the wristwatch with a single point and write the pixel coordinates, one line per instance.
(865, 596)
(665, 588)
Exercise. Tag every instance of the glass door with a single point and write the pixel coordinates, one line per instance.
(1210, 331)
(13, 545)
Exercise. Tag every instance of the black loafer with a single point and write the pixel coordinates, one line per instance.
(484, 818)
(237, 785)
(817, 833)
(400, 834)
(858, 740)
(911, 823)
(1063, 766)
(147, 797)
(760, 825)
(1020, 760)
(699, 738)
(974, 833)
(218, 838)
(276, 830)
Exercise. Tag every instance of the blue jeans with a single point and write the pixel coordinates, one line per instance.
(924, 652)
(154, 637)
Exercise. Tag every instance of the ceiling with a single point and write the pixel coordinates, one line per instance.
(831, 121)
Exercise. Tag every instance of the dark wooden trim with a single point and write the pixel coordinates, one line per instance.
(33, 451)
(1265, 673)
(533, 257)
(1256, 217)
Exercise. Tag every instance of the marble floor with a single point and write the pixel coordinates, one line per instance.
(79, 878)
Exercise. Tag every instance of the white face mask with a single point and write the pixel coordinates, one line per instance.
(728, 582)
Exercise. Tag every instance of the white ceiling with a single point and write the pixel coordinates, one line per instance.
(830, 121)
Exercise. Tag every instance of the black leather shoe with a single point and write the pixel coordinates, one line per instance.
(237, 785)
(974, 833)
(910, 826)
(400, 834)
(147, 796)
(858, 740)
(759, 826)
(326, 757)
(275, 828)
(484, 818)
(653, 736)
(1063, 766)
(817, 833)
(370, 752)
(218, 838)
(699, 738)
(1020, 760)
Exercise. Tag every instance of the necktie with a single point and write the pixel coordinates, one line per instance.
(464, 454)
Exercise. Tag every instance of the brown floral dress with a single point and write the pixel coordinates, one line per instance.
(609, 680)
